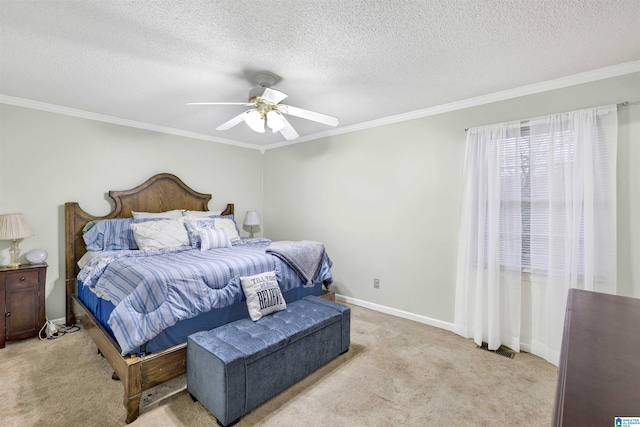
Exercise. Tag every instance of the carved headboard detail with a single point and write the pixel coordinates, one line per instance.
(162, 192)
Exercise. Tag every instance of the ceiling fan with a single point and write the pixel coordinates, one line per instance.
(267, 109)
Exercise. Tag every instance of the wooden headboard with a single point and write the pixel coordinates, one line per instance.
(160, 193)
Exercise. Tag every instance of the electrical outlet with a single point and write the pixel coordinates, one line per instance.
(376, 283)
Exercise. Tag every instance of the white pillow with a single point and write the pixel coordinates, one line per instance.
(210, 238)
(169, 233)
(84, 260)
(229, 226)
(199, 214)
(175, 214)
(263, 294)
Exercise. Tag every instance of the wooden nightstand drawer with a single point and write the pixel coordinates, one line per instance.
(22, 278)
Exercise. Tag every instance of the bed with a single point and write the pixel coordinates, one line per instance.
(151, 358)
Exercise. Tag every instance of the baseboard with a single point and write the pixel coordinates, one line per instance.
(395, 312)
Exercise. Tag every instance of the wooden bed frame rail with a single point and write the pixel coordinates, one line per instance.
(160, 193)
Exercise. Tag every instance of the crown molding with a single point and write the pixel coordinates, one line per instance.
(52, 108)
(573, 80)
(563, 82)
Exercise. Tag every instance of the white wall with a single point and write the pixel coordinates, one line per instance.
(48, 159)
(386, 201)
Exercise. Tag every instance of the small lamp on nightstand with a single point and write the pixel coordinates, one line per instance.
(251, 219)
(14, 227)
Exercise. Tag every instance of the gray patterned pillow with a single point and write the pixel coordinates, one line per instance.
(194, 227)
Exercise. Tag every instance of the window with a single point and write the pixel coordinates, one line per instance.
(532, 224)
(538, 197)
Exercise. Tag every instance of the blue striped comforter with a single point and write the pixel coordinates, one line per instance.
(152, 290)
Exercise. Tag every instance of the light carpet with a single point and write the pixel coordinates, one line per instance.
(397, 372)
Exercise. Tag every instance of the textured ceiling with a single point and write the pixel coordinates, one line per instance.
(142, 60)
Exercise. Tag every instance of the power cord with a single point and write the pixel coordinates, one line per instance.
(53, 331)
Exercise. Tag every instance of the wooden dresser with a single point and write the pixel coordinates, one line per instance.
(599, 371)
(22, 297)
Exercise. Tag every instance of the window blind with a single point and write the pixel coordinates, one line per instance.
(532, 198)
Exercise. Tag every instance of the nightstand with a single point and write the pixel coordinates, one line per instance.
(22, 295)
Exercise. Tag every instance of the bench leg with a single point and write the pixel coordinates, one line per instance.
(232, 423)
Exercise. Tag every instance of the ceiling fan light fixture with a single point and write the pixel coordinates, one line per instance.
(254, 120)
(275, 121)
(267, 109)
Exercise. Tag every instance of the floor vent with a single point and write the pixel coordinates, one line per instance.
(502, 350)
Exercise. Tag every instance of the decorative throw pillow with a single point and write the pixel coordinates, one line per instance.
(194, 227)
(263, 294)
(210, 238)
(228, 225)
(168, 233)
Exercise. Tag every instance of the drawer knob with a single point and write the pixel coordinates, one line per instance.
(22, 279)
(8, 314)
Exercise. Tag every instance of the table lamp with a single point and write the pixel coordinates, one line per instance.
(251, 219)
(14, 227)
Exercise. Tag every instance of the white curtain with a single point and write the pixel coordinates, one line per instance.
(538, 217)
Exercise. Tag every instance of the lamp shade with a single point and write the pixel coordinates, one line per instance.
(14, 226)
(275, 121)
(251, 218)
(254, 119)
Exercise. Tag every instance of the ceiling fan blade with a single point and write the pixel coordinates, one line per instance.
(288, 131)
(220, 103)
(231, 123)
(309, 115)
(272, 95)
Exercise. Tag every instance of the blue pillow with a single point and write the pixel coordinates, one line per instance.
(112, 234)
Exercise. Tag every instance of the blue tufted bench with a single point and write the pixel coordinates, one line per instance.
(236, 367)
